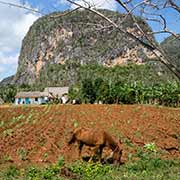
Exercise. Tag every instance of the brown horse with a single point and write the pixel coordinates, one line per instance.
(98, 139)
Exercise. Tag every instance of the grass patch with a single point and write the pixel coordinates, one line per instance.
(146, 168)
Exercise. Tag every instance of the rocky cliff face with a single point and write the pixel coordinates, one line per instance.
(80, 37)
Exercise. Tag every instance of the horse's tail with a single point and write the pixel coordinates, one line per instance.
(72, 139)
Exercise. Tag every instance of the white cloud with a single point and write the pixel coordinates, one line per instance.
(14, 24)
(2, 69)
(8, 64)
(99, 4)
(8, 59)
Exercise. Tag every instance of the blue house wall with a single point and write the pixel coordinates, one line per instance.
(27, 100)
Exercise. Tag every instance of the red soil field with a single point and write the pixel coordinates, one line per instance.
(39, 134)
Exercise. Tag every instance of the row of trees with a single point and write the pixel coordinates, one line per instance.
(92, 91)
(89, 91)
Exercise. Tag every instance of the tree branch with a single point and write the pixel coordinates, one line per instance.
(173, 5)
(64, 14)
(22, 7)
(163, 23)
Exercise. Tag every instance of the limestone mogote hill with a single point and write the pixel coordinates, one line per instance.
(77, 38)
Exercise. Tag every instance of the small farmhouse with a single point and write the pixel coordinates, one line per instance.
(37, 97)
(34, 97)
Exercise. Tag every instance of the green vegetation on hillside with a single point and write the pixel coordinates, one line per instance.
(72, 72)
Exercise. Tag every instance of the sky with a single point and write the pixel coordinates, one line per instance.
(15, 22)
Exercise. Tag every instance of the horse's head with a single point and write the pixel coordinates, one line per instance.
(117, 154)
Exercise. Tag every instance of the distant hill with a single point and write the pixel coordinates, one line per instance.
(8, 80)
(81, 37)
(171, 46)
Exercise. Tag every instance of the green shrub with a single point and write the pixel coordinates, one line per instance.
(92, 171)
(11, 173)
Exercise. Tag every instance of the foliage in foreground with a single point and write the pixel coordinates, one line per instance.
(148, 167)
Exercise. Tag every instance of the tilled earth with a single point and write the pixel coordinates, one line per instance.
(39, 134)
